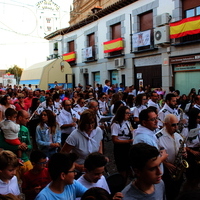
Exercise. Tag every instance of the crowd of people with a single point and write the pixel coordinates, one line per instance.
(53, 141)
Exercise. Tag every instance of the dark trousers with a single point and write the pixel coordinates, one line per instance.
(172, 187)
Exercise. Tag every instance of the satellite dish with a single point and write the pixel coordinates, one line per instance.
(158, 35)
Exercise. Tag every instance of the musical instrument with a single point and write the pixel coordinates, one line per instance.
(179, 162)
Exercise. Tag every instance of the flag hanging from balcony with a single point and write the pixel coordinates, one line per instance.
(113, 45)
(187, 26)
(71, 56)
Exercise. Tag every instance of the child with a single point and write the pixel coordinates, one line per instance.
(11, 130)
(145, 161)
(94, 168)
(37, 178)
(63, 186)
(8, 166)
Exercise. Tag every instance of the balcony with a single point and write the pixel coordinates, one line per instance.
(185, 31)
(89, 54)
(113, 48)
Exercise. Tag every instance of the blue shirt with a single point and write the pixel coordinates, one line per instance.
(70, 192)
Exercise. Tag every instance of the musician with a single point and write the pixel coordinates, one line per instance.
(193, 149)
(168, 108)
(67, 120)
(171, 141)
(80, 106)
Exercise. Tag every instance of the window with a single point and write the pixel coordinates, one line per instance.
(116, 33)
(48, 20)
(71, 46)
(146, 23)
(190, 9)
(91, 43)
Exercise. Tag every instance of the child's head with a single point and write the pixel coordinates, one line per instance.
(96, 193)
(38, 159)
(11, 114)
(8, 165)
(61, 166)
(94, 166)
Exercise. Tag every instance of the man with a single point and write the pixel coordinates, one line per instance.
(22, 119)
(168, 108)
(145, 162)
(153, 101)
(171, 141)
(106, 86)
(146, 130)
(95, 107)
(67, 120)
(103, 106)
(80, 106)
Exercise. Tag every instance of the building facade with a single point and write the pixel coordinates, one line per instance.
(135, 42)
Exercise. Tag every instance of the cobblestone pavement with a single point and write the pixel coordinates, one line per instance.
(108, 151)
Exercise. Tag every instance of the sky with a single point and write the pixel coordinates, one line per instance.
(20, 42)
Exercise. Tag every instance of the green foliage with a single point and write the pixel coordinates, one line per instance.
(17, 71)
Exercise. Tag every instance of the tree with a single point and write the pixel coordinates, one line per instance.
(17, 71)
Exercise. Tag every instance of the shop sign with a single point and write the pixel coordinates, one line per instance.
(185, 59)
(187, 67)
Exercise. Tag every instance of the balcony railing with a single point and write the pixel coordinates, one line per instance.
(185, 31)
(89, 54)
(143, 41)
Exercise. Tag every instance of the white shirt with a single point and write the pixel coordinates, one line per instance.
(65, 117)
(137, 110)
(103, 106)
(171, 145)
(165, 111)
(151, 103)
(83, 145)
(100, 183)
(122, 131)
(79, 109)
(10, 187)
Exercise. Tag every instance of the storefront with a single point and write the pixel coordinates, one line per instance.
(186, 71)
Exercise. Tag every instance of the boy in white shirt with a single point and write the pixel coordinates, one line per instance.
(94, 169)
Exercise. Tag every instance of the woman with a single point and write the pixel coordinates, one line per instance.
(5, 102)
(48, 134)
(51, 106)
(122, 138)
(115, 97)
(75, 98)
(19, 104)
(140, 104)
(84, 140)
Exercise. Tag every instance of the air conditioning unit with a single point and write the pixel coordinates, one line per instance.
(81, 70)
(161, 35)
(119, 62)
(162, 19)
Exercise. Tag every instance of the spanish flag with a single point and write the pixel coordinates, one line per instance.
(71, 56)
(113, 45)
(187, 26)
